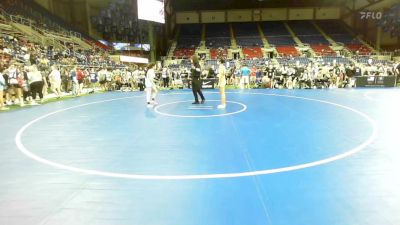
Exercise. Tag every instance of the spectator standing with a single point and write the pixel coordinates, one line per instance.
(55, 81)
(165, 77)
(2, 88)
(80, 76)
(151, 87)
(244, 79)
(14, 86)
(75, 83)
(36, 84)
(222, 83)
(65, 80)
(196, 81)
(93, 79)
(103, 79)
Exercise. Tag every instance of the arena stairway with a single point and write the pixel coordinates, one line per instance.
(34, 35)
(6, 28)
(232, 34)
(174, 43)
(326, 36)
(263, 38)
(295, 38)
(81, 43)
(203, 37)
(172, 50)
(364, 43)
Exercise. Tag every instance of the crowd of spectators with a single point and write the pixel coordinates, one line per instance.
(29, 72)
(390, 21)
(117, 22)
(293, 74)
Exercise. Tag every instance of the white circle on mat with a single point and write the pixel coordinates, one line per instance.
(157, 110)
(343, 155)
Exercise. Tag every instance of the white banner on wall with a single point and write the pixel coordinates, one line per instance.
(132, 59)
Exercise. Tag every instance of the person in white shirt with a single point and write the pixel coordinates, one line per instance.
(222, 83)
(14, 85)
(127, 77)
(135, 78)
(55, 81)
(151, 87)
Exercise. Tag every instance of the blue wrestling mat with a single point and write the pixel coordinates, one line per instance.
(272, 157)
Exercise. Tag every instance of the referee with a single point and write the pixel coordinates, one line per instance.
(196, 80)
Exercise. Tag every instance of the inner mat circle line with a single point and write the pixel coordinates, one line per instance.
(25, 151)
(157, 110)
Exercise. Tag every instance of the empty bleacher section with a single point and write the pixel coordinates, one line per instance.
(252, 52)
(248, 37)
(188, 40)
(218, 40)
(309, 34)
(360, 49)
(367, 60)
(232, 63)
(334, 59)
(338, 32)
(277, 34)
(287, 39)
(218, 53)
(294, 61)
(184, 52)
(279, 37)
(256, 62)
(247, 34)
(287, 51)
(321, 50)
(218, 35)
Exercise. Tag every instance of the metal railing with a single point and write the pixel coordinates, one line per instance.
(56, 30)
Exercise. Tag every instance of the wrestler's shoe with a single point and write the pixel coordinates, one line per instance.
(221, 106)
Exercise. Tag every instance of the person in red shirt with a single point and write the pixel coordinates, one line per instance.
(80, 76)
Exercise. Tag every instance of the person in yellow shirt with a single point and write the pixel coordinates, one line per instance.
(222, 82)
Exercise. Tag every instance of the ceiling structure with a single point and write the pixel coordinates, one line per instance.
(183, 5)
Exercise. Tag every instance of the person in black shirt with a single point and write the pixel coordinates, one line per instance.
(196, 80)
(357, 71)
